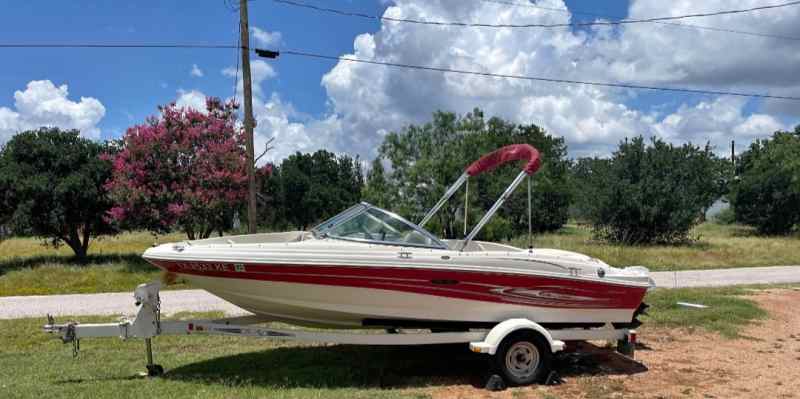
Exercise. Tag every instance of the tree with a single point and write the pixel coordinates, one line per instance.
(427, 159)
(583, 173)
(652, 194)
(184, 168)
(51, 185)
(376, 190)
(307, 188)
(767, 193)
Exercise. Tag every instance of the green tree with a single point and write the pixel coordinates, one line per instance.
(51, 185)
(426, 159)
(767, 194)
(653, 193)
(583, 174)
(307, 188)
(376, 190)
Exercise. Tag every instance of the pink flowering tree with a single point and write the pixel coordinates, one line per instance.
(183, 168)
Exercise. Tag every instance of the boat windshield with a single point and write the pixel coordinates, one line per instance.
(367, 223)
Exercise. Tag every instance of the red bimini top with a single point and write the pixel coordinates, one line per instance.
(509, 153)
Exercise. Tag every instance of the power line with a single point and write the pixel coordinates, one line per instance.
(539, 78)
(273, 54)
(116, 45)
(677, 24)
(560, 25)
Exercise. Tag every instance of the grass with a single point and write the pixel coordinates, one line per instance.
(728, 309)
(38, 365)
(114, 264)
(718, 246)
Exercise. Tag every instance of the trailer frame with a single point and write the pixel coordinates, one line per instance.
(147, 324)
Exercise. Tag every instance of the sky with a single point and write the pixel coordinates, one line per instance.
(307, 104)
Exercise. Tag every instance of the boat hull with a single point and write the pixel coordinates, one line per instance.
(354, 296)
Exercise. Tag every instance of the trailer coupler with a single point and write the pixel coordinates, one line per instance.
(66, 333)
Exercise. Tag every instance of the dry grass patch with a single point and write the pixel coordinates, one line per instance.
(717, 246)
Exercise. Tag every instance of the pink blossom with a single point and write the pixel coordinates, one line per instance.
(117, 213)
(180, 167)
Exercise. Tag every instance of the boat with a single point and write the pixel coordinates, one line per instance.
(370, 267)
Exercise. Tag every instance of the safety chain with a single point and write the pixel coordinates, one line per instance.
(157, 309)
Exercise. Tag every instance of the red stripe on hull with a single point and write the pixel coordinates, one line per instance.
(517, 289)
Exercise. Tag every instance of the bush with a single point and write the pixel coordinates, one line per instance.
(583, 173)
(725, 216)
(767, 193)
(655, 193)
(498, 229)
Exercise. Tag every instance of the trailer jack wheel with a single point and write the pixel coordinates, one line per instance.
(155, 370)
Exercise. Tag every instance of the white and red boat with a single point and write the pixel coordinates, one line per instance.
(370, 267)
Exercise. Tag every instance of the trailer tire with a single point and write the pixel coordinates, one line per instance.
(523, 357)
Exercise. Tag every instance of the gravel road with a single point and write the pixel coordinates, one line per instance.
(121, 303)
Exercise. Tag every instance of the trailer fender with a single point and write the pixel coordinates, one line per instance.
(501, 331)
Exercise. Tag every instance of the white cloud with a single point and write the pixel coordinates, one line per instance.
(196, 71)
(370, 100)
(277, 119)
(718, 122)
(365, 101)
(259, 72)
(265, 38)
(44, 104)
(194, 99)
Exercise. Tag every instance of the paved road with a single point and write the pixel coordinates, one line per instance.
(723, 277)
(116, 303)
(198, 300)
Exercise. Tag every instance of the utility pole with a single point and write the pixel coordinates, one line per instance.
(249, 121)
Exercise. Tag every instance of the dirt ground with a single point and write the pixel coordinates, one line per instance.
(677, 363)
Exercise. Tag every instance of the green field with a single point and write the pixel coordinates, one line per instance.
(28, 268)
(728, 309)
(717, 246)
(36, 364)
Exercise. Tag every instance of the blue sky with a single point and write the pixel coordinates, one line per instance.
(131, 83)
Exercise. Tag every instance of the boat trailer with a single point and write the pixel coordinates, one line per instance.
(506, 341)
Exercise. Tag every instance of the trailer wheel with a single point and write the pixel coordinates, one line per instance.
(523, 358)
